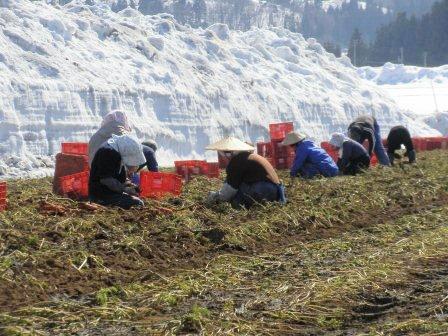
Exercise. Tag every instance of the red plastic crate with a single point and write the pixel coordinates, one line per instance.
(419, 144)
(283, 156)
(3, 188)
(79, 148)
(332, 153)
(158, 185)
(68, 164)
(213, 169)
(433, 143)
(279, 131)
(265, 149)
(191, 167)
(75, 186)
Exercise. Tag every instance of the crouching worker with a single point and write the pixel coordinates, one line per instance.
(366, 128)
(114, 122)
(116, 159)
(250, 178)
(399, 135)
(310, 160)
(353, 157)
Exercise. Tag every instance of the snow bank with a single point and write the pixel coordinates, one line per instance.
(423, 92)
(63, 68)
(392, 74)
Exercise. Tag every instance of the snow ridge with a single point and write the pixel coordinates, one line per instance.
(63, 68)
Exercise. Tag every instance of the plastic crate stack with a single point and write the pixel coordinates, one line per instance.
(430, 143)
(3, 202)
(281, 157)
(190, 168)
(159, 185)
(71, 175)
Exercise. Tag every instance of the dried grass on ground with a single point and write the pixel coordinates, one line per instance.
(364, 255)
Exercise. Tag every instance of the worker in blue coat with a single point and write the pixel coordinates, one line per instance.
(310, 160)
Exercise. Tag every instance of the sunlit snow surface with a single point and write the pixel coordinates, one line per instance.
(422, 92)
(63, 68)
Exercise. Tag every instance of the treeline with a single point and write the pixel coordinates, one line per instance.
(333, 25)
(408, 40)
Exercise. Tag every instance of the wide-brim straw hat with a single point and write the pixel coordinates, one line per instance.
(231, 144)
(293, 138)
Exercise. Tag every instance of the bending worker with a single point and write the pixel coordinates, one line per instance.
(114, 161)
(366, 128)
(399, 135)
(250, 177)
(353, 157)
(115, 122)
(310, 160)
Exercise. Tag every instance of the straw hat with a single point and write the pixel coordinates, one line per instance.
(231, 144)
(293, 138)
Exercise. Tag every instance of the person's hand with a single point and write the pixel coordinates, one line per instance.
(131, 190)
(212, 197)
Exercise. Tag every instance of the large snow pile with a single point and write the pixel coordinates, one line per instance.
(63, 68)
(423, 92)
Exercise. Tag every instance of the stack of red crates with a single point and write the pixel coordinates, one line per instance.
(189, 168)
(72, 161)
(75, 186)
(158, 185)
(281, 157)
(3, 188)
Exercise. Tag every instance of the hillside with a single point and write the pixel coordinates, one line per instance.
(64, 68)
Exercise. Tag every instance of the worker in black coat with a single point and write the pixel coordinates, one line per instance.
(398, 136)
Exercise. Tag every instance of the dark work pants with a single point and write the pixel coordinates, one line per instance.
(122, 200)
(356, 166)
(258, 192)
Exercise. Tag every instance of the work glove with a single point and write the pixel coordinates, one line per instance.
(131, 190)
(212, 197)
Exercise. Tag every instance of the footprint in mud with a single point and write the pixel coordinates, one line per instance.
(374, 307)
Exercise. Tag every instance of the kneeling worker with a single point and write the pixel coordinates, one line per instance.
(250, 177)
(399, 135)
(116, 159)
(310, 160)
(353, 155)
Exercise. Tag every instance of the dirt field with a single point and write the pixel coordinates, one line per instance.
(346, 256)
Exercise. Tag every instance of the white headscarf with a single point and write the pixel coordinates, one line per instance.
(338, 139)
(119, 117)
(129, 148)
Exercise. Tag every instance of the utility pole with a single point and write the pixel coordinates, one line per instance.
(425, 63)
(355, 44)
(402, 55)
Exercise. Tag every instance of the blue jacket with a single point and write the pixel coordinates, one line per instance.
(311, 160)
